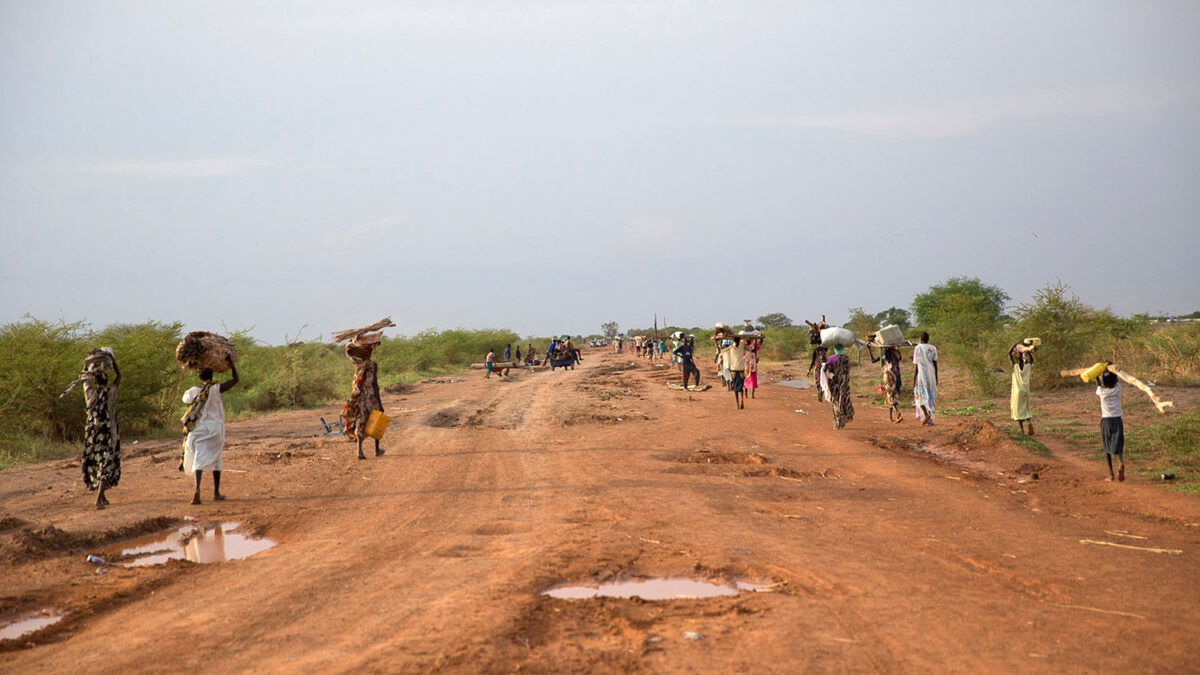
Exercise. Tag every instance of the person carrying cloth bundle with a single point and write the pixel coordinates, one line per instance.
(816, 364)
(101, 436)
(364, 393)
(204, 422)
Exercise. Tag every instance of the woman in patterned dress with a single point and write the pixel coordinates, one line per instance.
(838, 369)
(364, 394)
(101, 437)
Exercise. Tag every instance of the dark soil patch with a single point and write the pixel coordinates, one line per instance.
(774, 472)
(285, 457)
(444, 419)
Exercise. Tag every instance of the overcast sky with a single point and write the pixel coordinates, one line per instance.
(549, 166)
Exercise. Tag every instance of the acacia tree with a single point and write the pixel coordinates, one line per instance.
(610, 329)
(964, 315)
(775, 320)
(984, 298)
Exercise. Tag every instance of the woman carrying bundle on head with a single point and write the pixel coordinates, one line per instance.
(837, 367)
(100, 378)
(364, 392)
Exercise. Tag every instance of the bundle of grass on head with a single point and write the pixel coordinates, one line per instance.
(366, 334)
(201, 350)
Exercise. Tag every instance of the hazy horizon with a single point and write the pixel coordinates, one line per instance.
(547, 167)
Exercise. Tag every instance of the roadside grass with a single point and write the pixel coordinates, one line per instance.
(1171, 446)
(1033, 445)
(18, 449)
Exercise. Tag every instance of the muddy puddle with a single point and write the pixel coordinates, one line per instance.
(667, 588)
(199, 544)
(800, 383)
(29, 623)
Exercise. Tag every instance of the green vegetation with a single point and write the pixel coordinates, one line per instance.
(39, 359)
(1172, 446)
(1028, 442)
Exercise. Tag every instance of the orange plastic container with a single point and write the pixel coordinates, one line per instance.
(377, 425)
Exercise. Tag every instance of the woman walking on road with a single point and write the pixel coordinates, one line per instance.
(838, 369)
(925, 379)
(205, 426)
(101, 436)
(1021, 357)
(890, 363)
(364, 393)
(752, 348)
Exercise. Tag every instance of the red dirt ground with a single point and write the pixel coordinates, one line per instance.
(896, 548)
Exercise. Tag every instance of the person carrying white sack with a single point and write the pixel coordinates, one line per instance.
(205, 427)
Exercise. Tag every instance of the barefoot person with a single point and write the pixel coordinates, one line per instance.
(1112, 426)
(735, 363)
(837, 367)
(889, 361)
(1021, 357)
(752, 366)
(925, 379)
(816, 364)
(364, 393)
(205, 426)
(101, 437)
(686, 354)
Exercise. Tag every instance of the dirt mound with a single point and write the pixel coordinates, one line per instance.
(977, 435)
(49, 540)
(11, 523)
(717, 457)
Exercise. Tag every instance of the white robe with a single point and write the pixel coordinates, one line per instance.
(925, 387)
(202, 449)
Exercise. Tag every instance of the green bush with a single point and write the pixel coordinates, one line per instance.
(38, 359)
(1073, 334)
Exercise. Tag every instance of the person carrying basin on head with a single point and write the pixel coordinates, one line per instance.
(889, 361)
(735, 364)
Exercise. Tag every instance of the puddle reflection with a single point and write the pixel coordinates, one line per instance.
(212, 544)
(668, 588)
(27, 625)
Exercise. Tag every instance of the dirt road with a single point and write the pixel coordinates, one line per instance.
(894, 548)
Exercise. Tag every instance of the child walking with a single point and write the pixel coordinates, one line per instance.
(1112, 428)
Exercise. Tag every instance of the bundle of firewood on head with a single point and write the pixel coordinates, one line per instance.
(362, 341)
(201, 350)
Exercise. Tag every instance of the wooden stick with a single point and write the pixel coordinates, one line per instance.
(1132, 381)
(1169, 551)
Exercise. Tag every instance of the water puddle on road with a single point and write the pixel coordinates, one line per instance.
(208, 544)
(667, 588)
(796, 384)
(28, 624)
